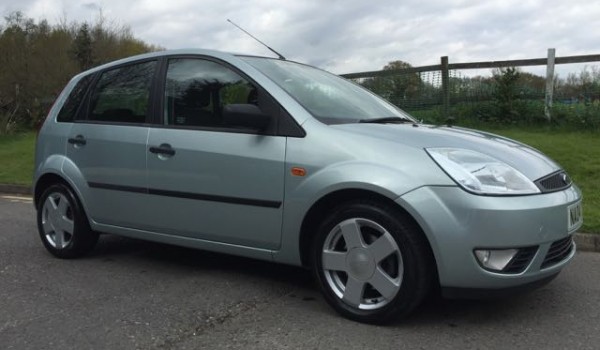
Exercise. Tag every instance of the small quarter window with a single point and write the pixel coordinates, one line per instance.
(122, 95)
(71, 106)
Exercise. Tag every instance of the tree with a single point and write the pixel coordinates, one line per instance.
(82, 47)
(399, 87)
(506, 92)
(37, 60)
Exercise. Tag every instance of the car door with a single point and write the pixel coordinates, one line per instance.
(207, 179)
(108, 144)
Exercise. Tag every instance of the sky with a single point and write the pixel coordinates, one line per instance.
(350, 35)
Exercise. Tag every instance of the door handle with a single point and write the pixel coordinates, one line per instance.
(163, 149)
(78, 140)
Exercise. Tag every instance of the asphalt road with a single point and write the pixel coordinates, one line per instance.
(131, 294)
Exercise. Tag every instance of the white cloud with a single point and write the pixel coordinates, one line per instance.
(350, 35)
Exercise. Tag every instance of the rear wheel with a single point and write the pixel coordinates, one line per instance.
(62, 224)
(371, 262)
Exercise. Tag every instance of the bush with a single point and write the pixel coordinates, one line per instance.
(580, 116)
(8, 123)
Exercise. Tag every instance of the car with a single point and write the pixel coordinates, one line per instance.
(276, 160)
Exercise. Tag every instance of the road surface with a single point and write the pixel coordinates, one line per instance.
(131, 294)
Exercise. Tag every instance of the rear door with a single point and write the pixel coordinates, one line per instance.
(207, 179)
(108, 144)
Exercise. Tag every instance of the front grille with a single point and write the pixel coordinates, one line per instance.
(554, 182)
(521, 260)
(558, 251)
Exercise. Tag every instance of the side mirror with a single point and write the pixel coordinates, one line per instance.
(245, 115)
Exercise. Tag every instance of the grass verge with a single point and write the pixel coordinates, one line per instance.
(16, 157)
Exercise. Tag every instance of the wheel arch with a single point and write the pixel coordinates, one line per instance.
(66, 174)
(45, 181)
(322, 207)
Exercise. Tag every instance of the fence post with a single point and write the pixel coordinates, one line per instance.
(445, 88)
(549, 83)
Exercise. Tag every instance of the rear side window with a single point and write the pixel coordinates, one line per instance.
(122, 95)
(69, 109)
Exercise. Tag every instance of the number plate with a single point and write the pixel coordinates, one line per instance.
(575, 216)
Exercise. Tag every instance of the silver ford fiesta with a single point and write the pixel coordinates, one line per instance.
(276, 160)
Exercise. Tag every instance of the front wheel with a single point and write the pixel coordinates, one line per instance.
(371, 262)
(62, 224)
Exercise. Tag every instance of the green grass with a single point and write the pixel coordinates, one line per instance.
(16, 157)
(578, 152)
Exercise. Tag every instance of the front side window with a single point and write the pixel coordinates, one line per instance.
(197, 90)
(122, 94)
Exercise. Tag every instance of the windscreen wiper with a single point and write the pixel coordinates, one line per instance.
(392, 120)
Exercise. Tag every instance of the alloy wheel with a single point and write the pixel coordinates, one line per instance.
(57, 220)
(362, 263)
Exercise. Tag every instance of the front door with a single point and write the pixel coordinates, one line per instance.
(206, 179)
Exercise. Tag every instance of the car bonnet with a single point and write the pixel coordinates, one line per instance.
(529, 161)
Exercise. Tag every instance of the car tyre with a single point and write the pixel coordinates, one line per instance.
(62, 223)
(372, 262)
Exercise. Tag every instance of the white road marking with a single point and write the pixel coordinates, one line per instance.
(18, 199)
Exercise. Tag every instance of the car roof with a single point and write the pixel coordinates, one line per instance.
(157, 54)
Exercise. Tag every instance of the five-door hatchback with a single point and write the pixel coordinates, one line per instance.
(276, 160)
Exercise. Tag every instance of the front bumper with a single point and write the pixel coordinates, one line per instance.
(456, 222)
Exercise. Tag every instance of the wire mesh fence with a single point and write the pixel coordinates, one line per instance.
(518, 91)
(410, 91)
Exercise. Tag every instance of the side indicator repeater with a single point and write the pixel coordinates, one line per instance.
(298, 171)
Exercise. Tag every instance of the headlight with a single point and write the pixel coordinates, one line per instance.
(480, 173)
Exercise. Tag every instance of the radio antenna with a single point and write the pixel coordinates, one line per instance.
(253, 37)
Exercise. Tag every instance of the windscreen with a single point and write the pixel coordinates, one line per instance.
(329, 98)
